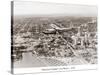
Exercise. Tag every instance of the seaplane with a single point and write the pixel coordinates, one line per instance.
(54, 29)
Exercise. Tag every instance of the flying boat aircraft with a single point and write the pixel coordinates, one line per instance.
(58, 29)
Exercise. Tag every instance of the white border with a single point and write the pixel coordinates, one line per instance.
(55, 69)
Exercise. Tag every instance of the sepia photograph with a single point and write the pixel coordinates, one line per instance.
(50, 34)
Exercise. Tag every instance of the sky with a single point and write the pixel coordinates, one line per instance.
(38, 8)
